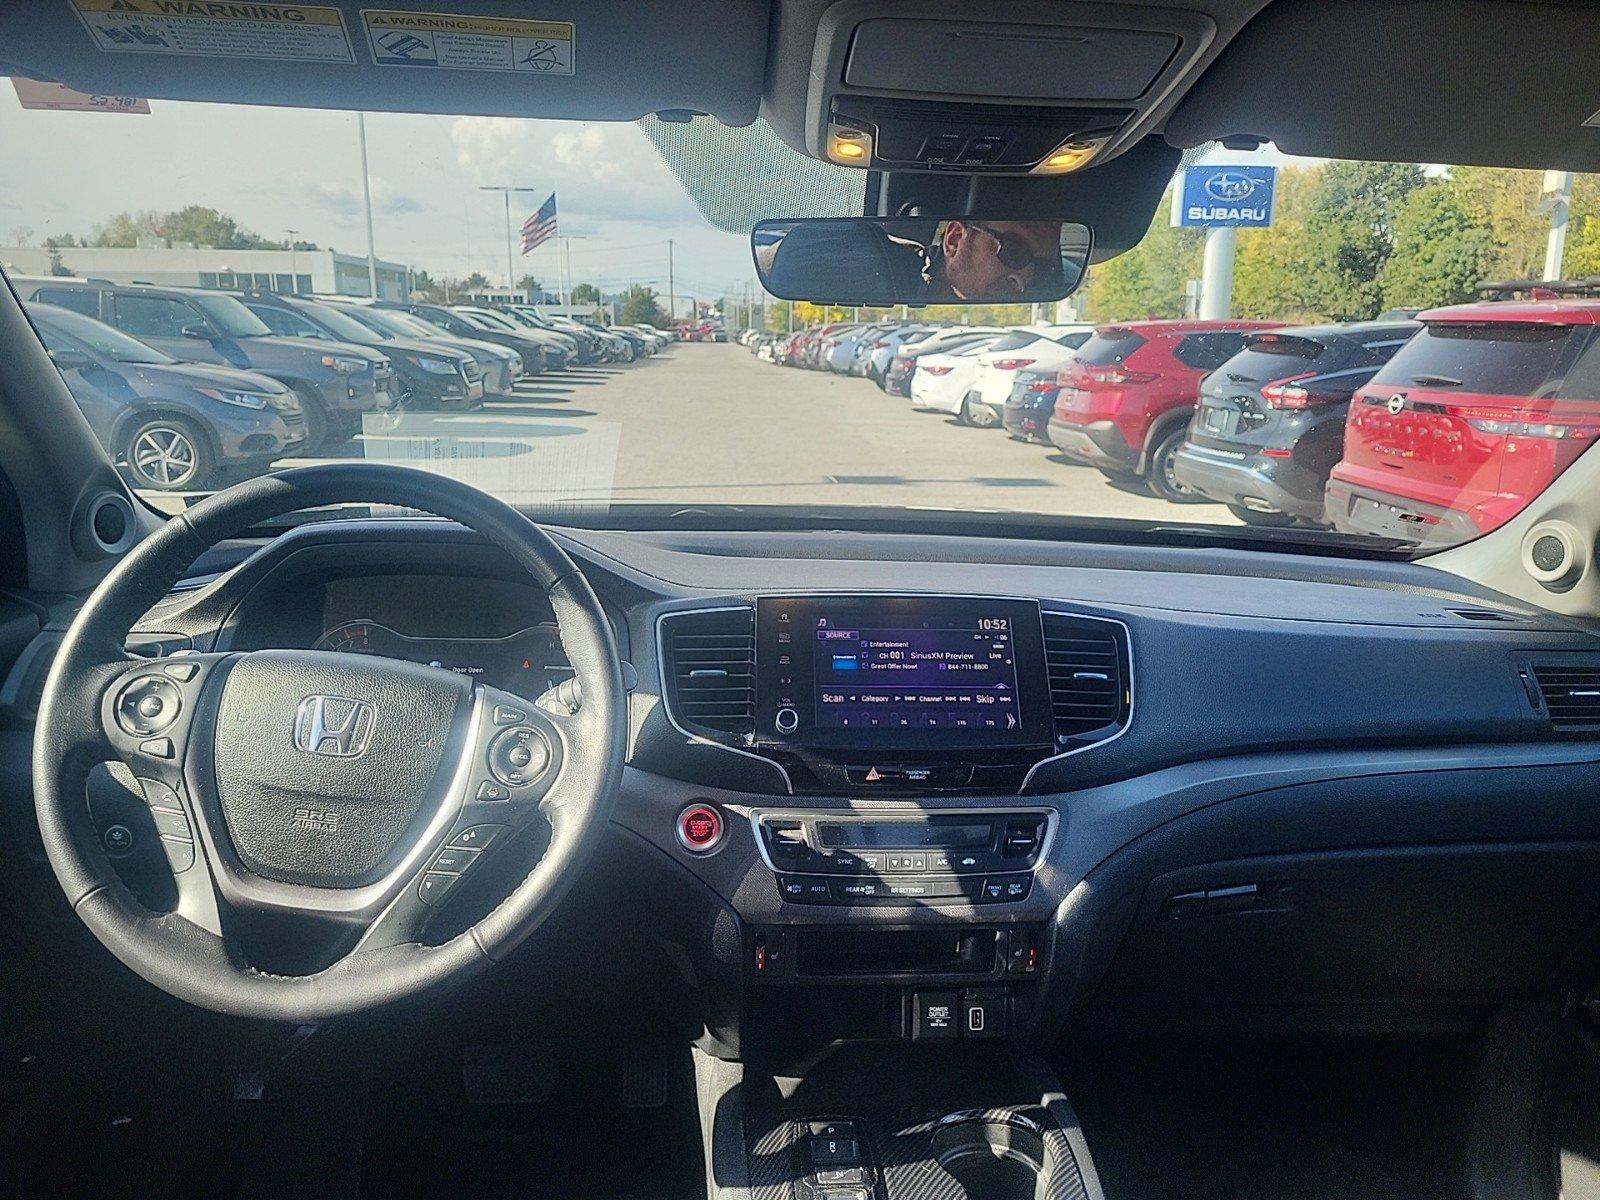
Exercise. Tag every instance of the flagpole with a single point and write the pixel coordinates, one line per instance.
(506, 190)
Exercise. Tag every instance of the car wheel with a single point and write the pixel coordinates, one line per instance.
(169, 454)
(980, 416)
(317, 424)
(1162, 479)
(1261, 520)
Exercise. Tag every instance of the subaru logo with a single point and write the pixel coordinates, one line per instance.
(333, 726)
(1396, 404)
(1232, 187)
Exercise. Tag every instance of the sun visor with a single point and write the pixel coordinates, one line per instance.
(598, 60)
(1504, 83)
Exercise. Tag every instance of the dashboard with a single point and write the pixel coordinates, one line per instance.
(1068, 780)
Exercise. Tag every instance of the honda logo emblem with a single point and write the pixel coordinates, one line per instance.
(333, 726)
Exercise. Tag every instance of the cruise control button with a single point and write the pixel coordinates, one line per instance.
(454, 861)
(518, 756)
(490, 790)
(435, 886)
(157, 747)
(477, 837)
(506, 715)
(182, 672)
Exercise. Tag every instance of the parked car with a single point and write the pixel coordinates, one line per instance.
(336, 382)
(169, 426)
(874, 355)
(897, 382)
(427, 375)
(1471, 419)
(1034, 345)
(585, 346)
(499, 366)
(840, 351)
(1270, 424)
(1126, 398)
(944, 377)
(559, 349)
(1026, 416)
(530, 349)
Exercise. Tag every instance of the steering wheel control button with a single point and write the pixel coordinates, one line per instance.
(518, 756)
(172, 823)
(700, 828)
(435, 886)
(504, 714)
(489, 790)
(179, 852)
(455, 862)
(159, 795)
(787, 720)
(182, 672)
(117, 840)
(148, 705)
(157, 747)
(477, 837)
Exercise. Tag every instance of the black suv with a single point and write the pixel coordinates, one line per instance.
(1270, 421)
(428, 375)
(336, 381)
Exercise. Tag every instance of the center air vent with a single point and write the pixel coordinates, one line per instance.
(1089, 679)
(1570, 691)
(709, 662)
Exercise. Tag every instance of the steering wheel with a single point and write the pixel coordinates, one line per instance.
(317, 785)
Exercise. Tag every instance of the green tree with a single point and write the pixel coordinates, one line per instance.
(1271, 278)
(586, 293)
(473, 282)
(1350, 215)
(640, 305)
(1150, 279)
(528, 284)
(1441, 250)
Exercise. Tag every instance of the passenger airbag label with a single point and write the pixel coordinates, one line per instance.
(462, 43)
(218, 29)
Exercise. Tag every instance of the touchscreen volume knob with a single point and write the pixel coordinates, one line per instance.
(787, 720)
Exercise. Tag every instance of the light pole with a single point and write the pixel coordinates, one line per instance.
(294, 264)
(506, 190)
(366, 194)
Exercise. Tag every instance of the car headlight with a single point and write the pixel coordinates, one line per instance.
(436, 366)
(255, 400)
(345, 366)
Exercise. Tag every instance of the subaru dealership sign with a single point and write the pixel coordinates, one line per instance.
(1219, 196)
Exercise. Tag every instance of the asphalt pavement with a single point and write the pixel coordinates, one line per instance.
(711, 423)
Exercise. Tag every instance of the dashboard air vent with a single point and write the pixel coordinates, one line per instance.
(1088, 674)
(1571, 693)
(709, 660)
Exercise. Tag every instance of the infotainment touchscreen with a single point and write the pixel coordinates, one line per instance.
(900, 672)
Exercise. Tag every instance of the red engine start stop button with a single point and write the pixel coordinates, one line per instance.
(699, 827)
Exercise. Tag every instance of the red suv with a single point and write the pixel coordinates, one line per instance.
(1126, 400)
(1469, 421)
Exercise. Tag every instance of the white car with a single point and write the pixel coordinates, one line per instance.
(943, 379)
(1039, 347)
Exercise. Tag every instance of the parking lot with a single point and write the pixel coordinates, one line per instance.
(711, 423)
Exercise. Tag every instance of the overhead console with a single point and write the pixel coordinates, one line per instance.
(1018, 90)
(897, 694)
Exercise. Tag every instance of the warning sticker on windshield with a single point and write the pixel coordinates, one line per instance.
(218, 29)
(458, 43)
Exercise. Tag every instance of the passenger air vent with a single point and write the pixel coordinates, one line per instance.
(1089, 679)
(709, 660)
(1570, 692)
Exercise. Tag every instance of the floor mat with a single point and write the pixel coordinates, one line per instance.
(1258, 1122)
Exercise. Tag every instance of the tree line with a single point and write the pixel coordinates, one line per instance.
(1351, 239)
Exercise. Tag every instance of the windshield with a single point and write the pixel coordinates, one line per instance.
(231, 317)
(98, 338)
(720, 399)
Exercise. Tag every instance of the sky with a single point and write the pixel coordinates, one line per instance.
(273, 169)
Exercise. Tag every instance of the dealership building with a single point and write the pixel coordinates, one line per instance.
(302, 271)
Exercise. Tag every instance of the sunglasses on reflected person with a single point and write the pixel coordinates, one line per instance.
(1017, 257)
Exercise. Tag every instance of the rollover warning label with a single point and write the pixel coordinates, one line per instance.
(218, 29)
(460, 43)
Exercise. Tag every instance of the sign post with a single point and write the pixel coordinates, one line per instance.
(1222, 200)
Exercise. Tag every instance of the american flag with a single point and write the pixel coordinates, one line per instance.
(540, 227)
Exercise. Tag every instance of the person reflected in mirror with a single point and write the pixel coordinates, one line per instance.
(975, 260)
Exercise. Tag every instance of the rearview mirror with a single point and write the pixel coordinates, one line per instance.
(881, 261)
